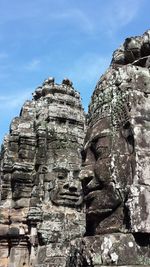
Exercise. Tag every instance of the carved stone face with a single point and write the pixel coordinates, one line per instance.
(59, 181)
(108, 161)
(115, 146)
(101, 196)
(67, 187)
(105, 175)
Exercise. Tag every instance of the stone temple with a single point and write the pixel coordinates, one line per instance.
(75, 189)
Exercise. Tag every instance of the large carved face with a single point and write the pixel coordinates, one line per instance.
(105, 175)
(108, 160)
(100, 193)
(116, 160)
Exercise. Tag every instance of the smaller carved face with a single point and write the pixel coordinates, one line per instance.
(67, 187)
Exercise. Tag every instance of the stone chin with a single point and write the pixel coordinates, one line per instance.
(101, 203)
(99, 212)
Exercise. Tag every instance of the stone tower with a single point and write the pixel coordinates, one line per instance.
(116, 163)
(41, 196)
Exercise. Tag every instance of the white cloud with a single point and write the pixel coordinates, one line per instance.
(120, 13)
(31, 11)
(14, 101)
(88, 17)
(110, 17)
(33, 65)
(76, 16)
(89, 68)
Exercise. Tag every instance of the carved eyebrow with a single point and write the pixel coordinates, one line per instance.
(93, 141)
(91, 144)
(95, 138)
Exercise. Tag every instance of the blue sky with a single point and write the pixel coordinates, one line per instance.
(60, 38)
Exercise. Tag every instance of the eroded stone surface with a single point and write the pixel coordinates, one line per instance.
(108, 250)
(41, 194)
(115, 172)
(117, 147)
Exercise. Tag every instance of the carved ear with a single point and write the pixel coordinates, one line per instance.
(83, 155)
(127, 133)
(126, 130)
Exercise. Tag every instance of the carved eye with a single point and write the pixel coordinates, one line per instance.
(95, 149)
(98, 152)
(61, 177)
(83, 154)
(100, 148)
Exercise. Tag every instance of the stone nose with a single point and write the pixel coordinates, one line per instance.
(71, 184)
(86, 176)
(89, 181)
(73, 187)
